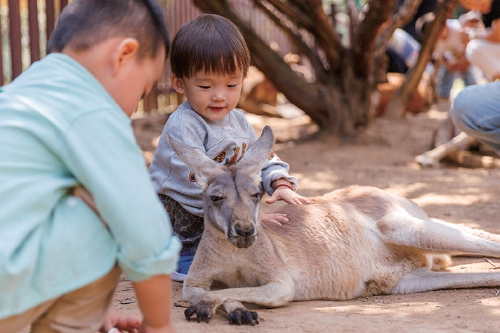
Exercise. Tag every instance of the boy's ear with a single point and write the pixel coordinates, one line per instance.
(177, 84)
(125, 52)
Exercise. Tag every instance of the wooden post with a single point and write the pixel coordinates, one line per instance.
(2, 80)
(34, 31)
(15, 37)
(51, 20)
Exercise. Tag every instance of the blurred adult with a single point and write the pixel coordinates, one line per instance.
(476, 109)
(483, 49)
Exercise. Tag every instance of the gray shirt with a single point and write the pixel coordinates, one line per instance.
(224, 141)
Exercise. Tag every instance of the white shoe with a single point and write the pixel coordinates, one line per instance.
(176, 276)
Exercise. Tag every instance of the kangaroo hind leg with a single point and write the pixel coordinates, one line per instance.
(478, 232)
(422, 279)
(400, 228)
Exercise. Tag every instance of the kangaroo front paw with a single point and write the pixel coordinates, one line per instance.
(203, 310)
(236, 317)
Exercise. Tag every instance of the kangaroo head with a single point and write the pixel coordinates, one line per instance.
(231, 195)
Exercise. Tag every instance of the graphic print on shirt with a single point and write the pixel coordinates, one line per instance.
(220, 157)
(243, 149)
(232, 160)
(192, 179)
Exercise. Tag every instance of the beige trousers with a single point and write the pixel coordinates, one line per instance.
(80, 311)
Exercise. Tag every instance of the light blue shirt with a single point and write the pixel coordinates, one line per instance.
(59, 127)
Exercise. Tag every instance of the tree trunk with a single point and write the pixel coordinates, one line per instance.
(339, 101)
(343, 121)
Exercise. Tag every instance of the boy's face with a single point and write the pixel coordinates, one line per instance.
(140, 78)
(212, 96)
(114, 63)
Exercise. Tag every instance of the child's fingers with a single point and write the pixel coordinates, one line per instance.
(289, 197)
(274, 218)
(272, 199)
(296, 199)
(304, 200)
(272, 222)
(280, 218)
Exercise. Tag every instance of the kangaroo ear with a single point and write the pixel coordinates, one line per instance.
(257, 153)
(205, 170)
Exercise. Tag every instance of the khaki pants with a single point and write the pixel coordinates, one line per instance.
(79, 311)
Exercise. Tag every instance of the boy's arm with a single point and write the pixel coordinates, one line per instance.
(154, 298)
(283, 190)
(104, 157)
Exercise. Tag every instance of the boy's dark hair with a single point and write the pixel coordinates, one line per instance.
(85, 23)
(210, 44)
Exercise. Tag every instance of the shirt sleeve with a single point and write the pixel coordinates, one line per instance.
(102, 154)
(275, 169)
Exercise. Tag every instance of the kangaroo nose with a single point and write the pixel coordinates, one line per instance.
(245, 232)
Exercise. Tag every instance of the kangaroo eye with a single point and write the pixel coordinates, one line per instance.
(215, 199)
(256, 195)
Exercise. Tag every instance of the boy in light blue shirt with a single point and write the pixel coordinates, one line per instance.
(65, 122)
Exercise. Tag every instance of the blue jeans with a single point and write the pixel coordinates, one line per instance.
(445, 79)
(186, 259)
(476, 111)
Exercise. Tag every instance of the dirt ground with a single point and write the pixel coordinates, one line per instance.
(383, 157)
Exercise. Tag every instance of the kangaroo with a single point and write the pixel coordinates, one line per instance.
(352, 242)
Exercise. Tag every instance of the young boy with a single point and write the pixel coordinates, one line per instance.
(209, 60)
(65, 122)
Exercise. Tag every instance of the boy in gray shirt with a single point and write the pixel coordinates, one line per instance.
(209, 61)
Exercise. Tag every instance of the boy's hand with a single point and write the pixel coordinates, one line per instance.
(273, 218)
(117, 322)
(288, 195)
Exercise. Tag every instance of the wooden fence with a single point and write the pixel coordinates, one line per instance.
(26, 24)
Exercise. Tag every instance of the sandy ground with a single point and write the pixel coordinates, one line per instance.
(383, 157)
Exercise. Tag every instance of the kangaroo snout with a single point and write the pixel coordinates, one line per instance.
(244, 234)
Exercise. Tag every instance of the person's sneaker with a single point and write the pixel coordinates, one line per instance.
(178, 277)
